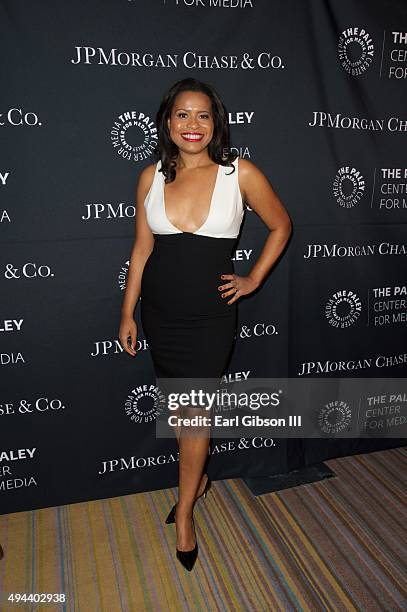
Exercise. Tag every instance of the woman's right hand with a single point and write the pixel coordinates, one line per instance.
(128, 327)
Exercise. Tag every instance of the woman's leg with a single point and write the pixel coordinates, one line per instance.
(193, 451)
(203, 476)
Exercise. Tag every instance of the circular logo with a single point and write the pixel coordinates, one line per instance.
(134, 136)
(334, 417)
(355, 50)
(348, 186)
(145, 403)
(343, 308)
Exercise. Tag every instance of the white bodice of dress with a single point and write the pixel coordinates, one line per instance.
(225, 212)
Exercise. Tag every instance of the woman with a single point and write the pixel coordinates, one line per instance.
(189, 208)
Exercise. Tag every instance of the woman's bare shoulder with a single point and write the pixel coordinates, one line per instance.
(147, 173)
(145, 178)
(246, 167)
(144, 182)
(249, 175)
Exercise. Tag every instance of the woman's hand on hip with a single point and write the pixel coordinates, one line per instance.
(236, 286)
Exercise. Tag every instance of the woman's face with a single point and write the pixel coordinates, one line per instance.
(191, 121)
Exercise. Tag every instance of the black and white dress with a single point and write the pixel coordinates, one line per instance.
(189, 327)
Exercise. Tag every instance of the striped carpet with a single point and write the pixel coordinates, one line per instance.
(339, 545)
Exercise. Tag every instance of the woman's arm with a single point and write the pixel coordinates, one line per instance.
(142, 247)
(258, 192)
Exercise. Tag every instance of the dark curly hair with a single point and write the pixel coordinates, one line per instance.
(218, 148)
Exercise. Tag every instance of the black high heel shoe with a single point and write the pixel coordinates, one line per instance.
(171, 516)
(188, 557)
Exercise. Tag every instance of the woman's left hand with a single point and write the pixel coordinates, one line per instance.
(237, 285)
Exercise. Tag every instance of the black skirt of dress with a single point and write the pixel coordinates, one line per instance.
(190, 329)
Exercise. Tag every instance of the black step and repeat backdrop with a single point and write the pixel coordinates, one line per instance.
(316, 97)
